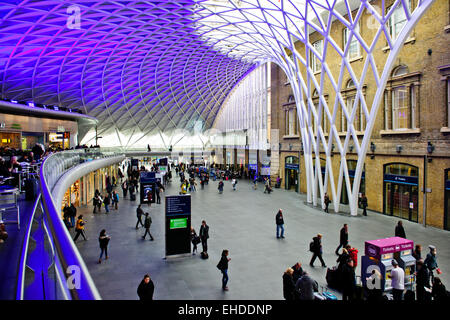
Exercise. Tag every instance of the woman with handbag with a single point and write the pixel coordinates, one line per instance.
(195, 240)
(223, 267)
(103, 240)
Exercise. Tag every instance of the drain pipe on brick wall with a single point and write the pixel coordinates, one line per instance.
(425, 161)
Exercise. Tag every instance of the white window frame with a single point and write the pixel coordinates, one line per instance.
(396, 108)
(397, 20)
(354, 42)
(315, 62)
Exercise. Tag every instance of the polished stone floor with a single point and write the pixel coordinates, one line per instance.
(243, 222)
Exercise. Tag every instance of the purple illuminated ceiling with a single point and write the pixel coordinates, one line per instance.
(137, 66)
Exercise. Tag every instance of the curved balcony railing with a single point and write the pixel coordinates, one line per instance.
(59, 272)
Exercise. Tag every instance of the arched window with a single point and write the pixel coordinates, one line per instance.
(314, 61)
(401, 98)
(399, 71)
(291, 119)
(350, 84)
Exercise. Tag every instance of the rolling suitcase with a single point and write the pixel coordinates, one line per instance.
(132, 197)
(332, 278)
(329, 296)
(318, 296)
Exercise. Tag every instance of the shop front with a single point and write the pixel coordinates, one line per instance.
(291, 173)
(10, 140)
(72, 195)
(401, 191)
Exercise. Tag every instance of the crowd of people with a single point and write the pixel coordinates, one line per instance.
(298, 285)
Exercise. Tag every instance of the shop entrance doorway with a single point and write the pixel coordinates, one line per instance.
(291, 173)
(401, 191)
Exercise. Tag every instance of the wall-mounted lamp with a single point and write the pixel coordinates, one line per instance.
(332, 149)
(399, 148)
(350, 148)
(290, 147)
(372, 148)
(430, 147)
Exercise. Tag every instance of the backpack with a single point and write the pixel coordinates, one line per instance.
(354, 256)
(311, 246)
(204, 255)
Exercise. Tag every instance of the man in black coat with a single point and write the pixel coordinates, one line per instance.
(73, 214)
(146, 289)
(363, 202)
(343, 238)
(147, 225)
(298, 271)
(348, 281)
(317, 251)
(204, 235)
(280, 224)
(422, 282)
(399, 231)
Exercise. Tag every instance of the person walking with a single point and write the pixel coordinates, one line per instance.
(103, 240)
(79, 228)
(66, 216)
(280, 223)
(97, 202)
(107, 202)
(158, 194)
(125, 188)
(289, 285)
(423, 287)
(348, 281)
(204, 235)
(363, 203)
(400, 231)
(147, 225)
(223, 267)
(220, 187)
(317, 250)
(115, 199)
(146, 289)
(306, 287)
(72, 214)
(398, 281)
(326, 201)
(139, 213)
(233, 183)
(343, 238)
(195, 240)
(431, 262)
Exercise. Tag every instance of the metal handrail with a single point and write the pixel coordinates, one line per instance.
(23, 257)
(67, 254)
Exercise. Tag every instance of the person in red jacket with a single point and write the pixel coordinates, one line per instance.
(353, 252)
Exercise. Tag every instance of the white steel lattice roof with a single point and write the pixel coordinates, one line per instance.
(137, 66)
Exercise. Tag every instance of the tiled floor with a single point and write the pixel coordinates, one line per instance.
(242, 221)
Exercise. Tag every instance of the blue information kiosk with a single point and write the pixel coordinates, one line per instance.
(178, 225)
